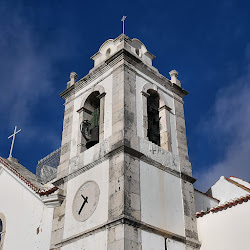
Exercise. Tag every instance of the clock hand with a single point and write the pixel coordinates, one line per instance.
(85, 201)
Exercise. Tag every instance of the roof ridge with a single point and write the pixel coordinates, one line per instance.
(238, 178)
(27, 182)
(238, 184)
(224, 206)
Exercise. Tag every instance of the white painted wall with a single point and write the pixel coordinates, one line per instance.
(97, 241)
(161, 199)
(175, 245)
(24, 213)
(226, 191)
(225, 230)
(151, 241)
(240, 181)
(99, 174)
(204, 202)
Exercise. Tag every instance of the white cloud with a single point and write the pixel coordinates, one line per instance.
(229, 125)
(25, 71)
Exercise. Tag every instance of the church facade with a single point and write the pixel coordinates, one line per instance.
(124, 179)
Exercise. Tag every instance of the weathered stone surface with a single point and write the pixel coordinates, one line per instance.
(124, 148)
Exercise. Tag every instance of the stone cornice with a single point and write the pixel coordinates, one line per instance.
(127, 220)
(126, 150)
(123, 54)
(53, 200)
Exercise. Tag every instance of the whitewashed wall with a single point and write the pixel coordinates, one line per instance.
(151, 241)
(99, 174)
(161, 199)
(97, 241)
(203, 202)
(225, 230)
(225, 191)
(28, 221)
(240, 181)
(175, 245)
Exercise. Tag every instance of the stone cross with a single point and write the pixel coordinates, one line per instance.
(123, 21)
(13, 139)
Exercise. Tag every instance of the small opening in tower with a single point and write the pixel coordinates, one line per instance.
(153, 132)
(108, 52)
(137, 51)
(90, 125)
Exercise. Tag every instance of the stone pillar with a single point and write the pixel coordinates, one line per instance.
(165, 135)
(101, 120)
(187, 180)
(124, 176)
(63, 170)
(174, 74)
(145, 113)
(73, 77)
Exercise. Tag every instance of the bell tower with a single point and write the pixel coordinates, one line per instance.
(124, 162)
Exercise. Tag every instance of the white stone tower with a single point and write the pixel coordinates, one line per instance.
(124, 164)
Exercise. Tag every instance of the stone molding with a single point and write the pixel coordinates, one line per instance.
(84, 109)
(164, 107)
(53, 200)
(131, 152)
(127, 220)
(145, 94)
(177, 98)
(123, 54)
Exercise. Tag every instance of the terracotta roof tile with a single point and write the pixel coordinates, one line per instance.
(238, 184)
(224, 206)
(29, 178)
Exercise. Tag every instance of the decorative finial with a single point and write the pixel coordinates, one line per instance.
(73, 77)
(123, 25)
(13, 139)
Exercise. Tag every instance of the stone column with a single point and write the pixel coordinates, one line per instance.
(124, 177)
(145, 113)
(174, 74)
(187, 180)
(63, 169)
(165, 135)
(73, 77)
(101, 120)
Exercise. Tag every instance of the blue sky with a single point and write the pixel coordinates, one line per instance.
(207, 42)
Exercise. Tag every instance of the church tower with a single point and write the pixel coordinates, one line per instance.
(124, 163)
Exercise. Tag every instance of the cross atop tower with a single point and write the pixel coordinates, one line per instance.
(123, 24)
(13, 139)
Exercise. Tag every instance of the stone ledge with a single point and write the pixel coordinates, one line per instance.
(123, 54)
(120, 147)
(128, 221)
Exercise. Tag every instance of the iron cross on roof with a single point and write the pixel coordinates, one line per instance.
(13, 139)
(123, 27)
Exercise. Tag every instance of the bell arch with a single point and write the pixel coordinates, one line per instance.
(91, 118)
(156, 117)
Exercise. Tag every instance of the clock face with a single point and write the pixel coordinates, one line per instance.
(86, 200)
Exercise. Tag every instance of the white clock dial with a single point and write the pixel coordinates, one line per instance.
(86, 200)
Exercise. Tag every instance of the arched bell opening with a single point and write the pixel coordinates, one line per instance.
(90, 124)
(153, 131)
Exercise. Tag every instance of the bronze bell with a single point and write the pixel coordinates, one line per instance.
(94, 137)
